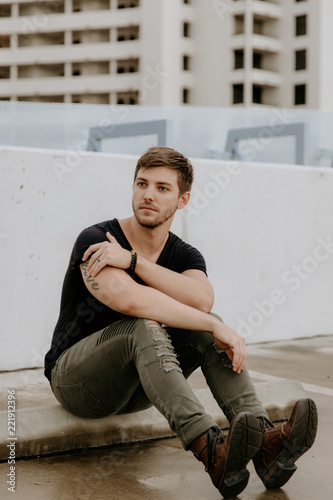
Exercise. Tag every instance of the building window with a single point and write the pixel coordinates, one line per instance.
(300, 25)
(186, 30)
(4, 72)
(76, 7)
(128, 33)
(42, 98)
(239, 24)
(238, 93)
(300, 60)
(4, 41)
(83, 5)
(257, 94)
(41, 39)
(91, 36)
(239, 59)
(258, 26)
(186, 63)
(90, 98)
(128, 4)
(41, 8)
(5, 10)
(127, 65)
(186, 96)
(257, 60)
(131, 97)
(89, 68)
(300, 94)
(40, 71)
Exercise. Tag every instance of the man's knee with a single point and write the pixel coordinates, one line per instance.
(155, 329)
(210, 350)
(217, 316)
(163, 351)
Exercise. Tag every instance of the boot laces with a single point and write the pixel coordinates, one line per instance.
(265, 424)
(214, 437)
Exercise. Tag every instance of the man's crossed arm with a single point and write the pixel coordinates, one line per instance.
(192, 287)
(112, 286)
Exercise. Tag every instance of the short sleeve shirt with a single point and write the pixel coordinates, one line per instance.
(81, 314)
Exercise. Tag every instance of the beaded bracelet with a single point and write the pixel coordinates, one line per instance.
(133, 260)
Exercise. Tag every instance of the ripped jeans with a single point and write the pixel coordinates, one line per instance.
(135, 363)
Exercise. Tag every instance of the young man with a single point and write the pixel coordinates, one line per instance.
(135, 322)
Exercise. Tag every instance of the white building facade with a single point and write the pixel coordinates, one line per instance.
(168, 52)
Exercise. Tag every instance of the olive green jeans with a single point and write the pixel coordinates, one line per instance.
(136, 363)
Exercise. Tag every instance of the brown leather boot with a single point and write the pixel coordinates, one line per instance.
(225, 458)
(282, 446)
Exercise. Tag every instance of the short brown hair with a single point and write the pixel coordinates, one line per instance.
(158, 156)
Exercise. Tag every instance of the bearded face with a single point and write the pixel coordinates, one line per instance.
(155, 196)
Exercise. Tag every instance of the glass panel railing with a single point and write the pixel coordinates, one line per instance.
(255, 134)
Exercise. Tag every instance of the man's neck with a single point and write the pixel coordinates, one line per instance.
(148, 242)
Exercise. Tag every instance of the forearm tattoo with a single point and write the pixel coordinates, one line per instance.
(89, 279)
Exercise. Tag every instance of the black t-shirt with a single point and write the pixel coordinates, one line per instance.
(81, 314)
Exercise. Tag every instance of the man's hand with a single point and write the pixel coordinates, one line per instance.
(190, 287)
(232, 343)
(106, 254)
(118, 291)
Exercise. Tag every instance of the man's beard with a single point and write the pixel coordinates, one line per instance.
(157, 221)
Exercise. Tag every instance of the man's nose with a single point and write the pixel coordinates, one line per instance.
(149, 193)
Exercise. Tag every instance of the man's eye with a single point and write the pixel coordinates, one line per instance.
(162, 188)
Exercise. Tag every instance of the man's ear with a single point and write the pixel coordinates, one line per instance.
(183, 200)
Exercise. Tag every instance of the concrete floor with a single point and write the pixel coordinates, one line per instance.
(162, 470)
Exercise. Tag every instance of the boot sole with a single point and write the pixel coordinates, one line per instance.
(245, 441)
(300, 440)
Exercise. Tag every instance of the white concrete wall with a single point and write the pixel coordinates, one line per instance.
(266, 231)
(254, 223)
(326, 70)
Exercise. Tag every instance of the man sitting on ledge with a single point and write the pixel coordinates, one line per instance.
(135, 322)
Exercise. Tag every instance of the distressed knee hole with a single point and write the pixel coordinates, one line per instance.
(164, 349)
(224, 357)
(171, 364)
(168, 358)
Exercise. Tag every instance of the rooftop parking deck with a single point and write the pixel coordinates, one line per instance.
(152, 468)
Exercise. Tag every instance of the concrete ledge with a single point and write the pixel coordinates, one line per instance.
(49, 429)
